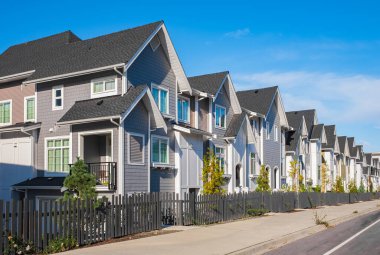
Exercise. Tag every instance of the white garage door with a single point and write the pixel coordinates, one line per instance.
(15, 163)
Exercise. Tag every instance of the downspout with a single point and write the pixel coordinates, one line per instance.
(114, 122)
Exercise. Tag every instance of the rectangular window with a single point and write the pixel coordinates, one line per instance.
(160, 150)
(183, 109)
(253, 163)
(29, 109)
(103, 87)
(267, 130)
(58, 155)
(220, 116)
(220, 155)
(136, 149)
(160, 95)
(57, 98)
(5, 112)
(275, 133)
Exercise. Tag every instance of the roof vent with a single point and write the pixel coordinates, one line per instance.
(100, 102)
(256, 91)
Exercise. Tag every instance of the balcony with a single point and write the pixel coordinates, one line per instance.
(105, 174)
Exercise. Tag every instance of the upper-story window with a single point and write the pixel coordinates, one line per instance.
(267, 131)
(160, 95)
(30, 109)
(183, 106)
(220, 116)
(57, 98)
(252, 162)
(103, 87)
(6, 112)
(276, 133)
(58, 150)
(160, 149)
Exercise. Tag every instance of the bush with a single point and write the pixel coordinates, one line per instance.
(338, 185)
(257, 212)
(263, 180)
(19, 246)
(317, 188)
(212, 174)
(352, 187)
(61, 244)
(361, 187)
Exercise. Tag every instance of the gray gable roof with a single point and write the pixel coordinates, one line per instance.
(53, 182)
(368, 157)
(78, 55)
(361, 154)
(28, 56)
(102, 107)
(342, 143)
(295, 118)
(257, 100)
(235, 124)
(353, 151)
(330, 137)
(317, 131)
(208, 83)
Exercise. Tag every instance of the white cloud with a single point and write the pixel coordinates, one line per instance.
(238, 33)
(337, 98)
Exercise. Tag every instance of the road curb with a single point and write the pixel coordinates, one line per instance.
(271, 244)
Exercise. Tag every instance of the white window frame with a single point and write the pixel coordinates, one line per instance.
(10, 111)
(188, 112)
(252, 166)
(26, 109)
(276, 133)
(224, 157)
(54, 89)
(168, 149)
(129, 148)
(225, 119)
(104, 93)
(267, 132)
(47, 139)
(158, 87)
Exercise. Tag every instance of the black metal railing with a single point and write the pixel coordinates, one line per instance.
(105, 173)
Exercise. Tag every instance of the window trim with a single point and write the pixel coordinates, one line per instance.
(275, 133)
(267, 132)
(188, 112)
(158, 87)
(104, 93)
(26, 109)
(251, 167)
(225, 119)
(168, 149)
(10, 112)
(54, 89)
(129, 149)
(47, 155)
(224, 156)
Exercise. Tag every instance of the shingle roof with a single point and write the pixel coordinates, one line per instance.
(28, 56)
(257, 100)
(20, 125)
(351, 147)
(360, 150)
(330, 137)
(208, 83)
(193, 130)
(295, 117)
(235, 124)
(80, 55)
(102, 107)
(342, 143)
(42, 182)
(368, 157)
(317, 131)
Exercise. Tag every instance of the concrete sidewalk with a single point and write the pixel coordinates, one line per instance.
(251, 236)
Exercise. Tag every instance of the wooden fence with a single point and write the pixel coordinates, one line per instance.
(89, 222)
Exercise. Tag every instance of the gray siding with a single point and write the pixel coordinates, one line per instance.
(272, 149)
(203, 107)
(75, 89)
(162, 181)
(224, 101)
(136, 176)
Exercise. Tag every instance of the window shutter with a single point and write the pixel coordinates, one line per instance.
(136, 149)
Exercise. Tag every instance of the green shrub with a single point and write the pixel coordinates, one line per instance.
(317, 188)
(352, 187)
(361, 187)
(257, 212)
(19, 246)
(263, 180)
(61, 244)
(338, 185)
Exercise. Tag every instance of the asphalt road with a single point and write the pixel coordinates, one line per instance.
(358, 236)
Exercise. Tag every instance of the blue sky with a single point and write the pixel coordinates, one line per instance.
(323, 55)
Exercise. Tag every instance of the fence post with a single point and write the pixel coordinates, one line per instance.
(192, 206)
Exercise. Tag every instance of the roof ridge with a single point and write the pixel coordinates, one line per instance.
(265, 88)
(196, 76)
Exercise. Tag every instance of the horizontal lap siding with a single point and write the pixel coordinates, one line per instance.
(162, 180)
(16, 92)
(74, 89)
(136, 176)
(224, 101)
(203, 114)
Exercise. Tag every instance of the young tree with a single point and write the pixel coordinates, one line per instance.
(338, 185)
(361, 187)
(352, 187)
(324, 177)
(80, 183)
(212, 174)
(263, 180)
(294, 173)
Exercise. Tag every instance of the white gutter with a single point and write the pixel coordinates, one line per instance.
(86, 120)
(114, 122)
(117, 71)
(15, 77)
(67, 75)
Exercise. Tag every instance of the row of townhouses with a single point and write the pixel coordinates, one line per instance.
(123, 103)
